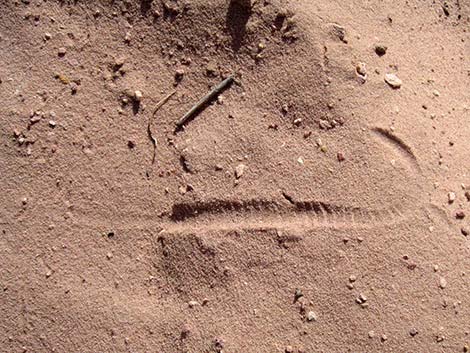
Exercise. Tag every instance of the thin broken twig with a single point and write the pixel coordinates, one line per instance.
(204, 100)
(149, 129)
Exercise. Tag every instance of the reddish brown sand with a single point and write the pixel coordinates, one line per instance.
(310, 209)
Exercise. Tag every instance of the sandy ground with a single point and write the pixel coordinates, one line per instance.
(321, 203)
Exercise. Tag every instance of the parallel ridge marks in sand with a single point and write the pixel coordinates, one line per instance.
(258, 213)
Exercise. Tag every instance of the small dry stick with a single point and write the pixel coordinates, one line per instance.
(204, 100)
(149, 130)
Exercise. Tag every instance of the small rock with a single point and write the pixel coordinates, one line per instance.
(467, 195)
(211, 69)
(62, 51)
(340, 156)
(109, 255)
(383, 338)
(339, 32)
(436, 93)
(465, 231)
(138, 96)
(393, 81)
(460, 214)
(361, 72)
(361, 299)
(413, 332)
(48, 273)
(128, 37)
(442, 283)
(179, 74)
(352, 278)
(52, 123)
(218, 167)
(240, 170)
(380, 49)
(466, 348)
(311, 316)
(297, 122)
(451, 197)
(47, 36)
(24, 200)
(73, 87)
(193, 303)
(219, 344)
(371, 334)
(130, 144)
(298, 294)
(324, 124)
(289, 349)
(35, 118)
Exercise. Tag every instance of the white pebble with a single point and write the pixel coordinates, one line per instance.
(393, 80)
(311, 316)
(138, 96)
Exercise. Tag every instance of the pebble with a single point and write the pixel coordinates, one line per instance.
(73, 87)
(311, 316)
(393, 81)
(297, 122)
(62, 51)
(340, 157)
(24, 200)
(371, 334)
(128, 37)
(211, 69)
(298, 294)
(442, 283)
(179, 73)
(289, 349)
(467, 195)
(413, 332)
(240, 170)
(361, 299)
(47, 35)
(383, 338)
(451, 197)
(361, 71)
(380, 49)
(460, 214)
(52, 123)
(35, 118)
(352, 278)
(465, 231)
(192, 303)
(138, 96)
(109, 255)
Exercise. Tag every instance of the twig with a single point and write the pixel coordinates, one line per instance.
(149, 130)
(204, 100)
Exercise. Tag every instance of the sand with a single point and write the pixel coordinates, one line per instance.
(320, 203)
